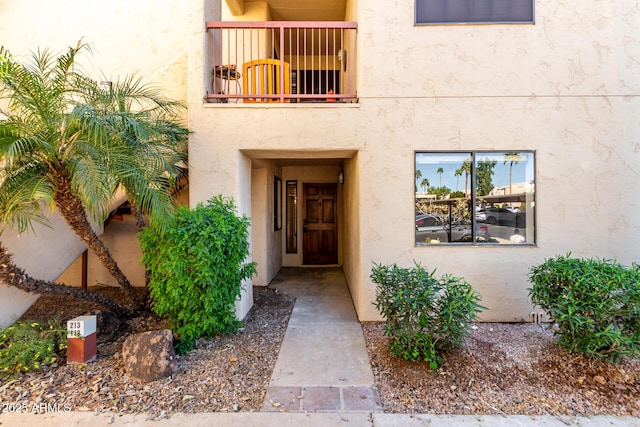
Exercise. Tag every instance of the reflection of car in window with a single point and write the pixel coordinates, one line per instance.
(427, 221)
(431, 228)
(481, 214)
(505, 216)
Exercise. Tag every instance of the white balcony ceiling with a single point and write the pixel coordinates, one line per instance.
(301, 10)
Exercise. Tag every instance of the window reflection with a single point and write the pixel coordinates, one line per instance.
(475, 197)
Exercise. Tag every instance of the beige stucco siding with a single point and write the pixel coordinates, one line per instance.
(266, 246)
(43, 254)
(145, 36)
(566, 88)
(352, 265)
(578, 49)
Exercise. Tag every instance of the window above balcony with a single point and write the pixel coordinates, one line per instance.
(282, 62)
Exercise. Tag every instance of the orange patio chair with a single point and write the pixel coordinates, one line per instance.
(264, 77)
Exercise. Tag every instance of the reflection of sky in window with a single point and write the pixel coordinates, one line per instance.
(429, 163)
(432, 158)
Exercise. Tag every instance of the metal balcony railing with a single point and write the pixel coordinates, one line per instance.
(282, 62)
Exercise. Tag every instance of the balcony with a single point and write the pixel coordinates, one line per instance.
(275, 62)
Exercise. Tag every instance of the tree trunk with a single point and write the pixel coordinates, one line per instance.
(140, 225)
(466, 180)
(14, 276)
(510, 178)
(75, 215)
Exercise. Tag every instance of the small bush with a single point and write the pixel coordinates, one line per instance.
(424, 315)
(596, 304)
(28, 346)
(196, 269)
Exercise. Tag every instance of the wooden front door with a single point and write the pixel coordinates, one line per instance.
(320, 228)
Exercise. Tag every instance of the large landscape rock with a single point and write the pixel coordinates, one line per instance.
(149, 356)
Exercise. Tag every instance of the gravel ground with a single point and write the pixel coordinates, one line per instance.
(223, 374)
(502, 369)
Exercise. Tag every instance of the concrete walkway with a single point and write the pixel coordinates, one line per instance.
(323, 363)
(322, 377)
(312, 419)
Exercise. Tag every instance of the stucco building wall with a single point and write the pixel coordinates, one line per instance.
(267, 243)
(43, 254)
(144, 36)
(566, 88)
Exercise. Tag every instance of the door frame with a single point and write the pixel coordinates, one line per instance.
(332, 257)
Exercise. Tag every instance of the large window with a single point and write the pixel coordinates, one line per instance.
(474, 11)
(475, 198)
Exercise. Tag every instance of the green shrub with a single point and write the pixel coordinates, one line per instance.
(196, 269)
(28, 346)
(596, 304)
(424, 315)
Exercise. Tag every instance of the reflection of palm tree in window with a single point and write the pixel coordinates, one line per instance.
(466, 168)
(424, 184)
(418, 176)
(458, 173)
(512, 158)
(440, 171)
(484, 174)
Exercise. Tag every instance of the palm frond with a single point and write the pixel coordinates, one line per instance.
(24, 192)
(132, 94)
(29, 92)
(91, 178)
(71, 127)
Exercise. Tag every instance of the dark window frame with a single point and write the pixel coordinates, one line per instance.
(277, 203)
(291, 214)
(450, 12)
(475, 156)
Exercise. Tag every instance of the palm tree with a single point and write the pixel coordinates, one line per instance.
(457, 174)
(68, 143)
(12, 275)
(424, 184)
(466, 169)
(513, 158)
(418, 176)
(440, 171)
